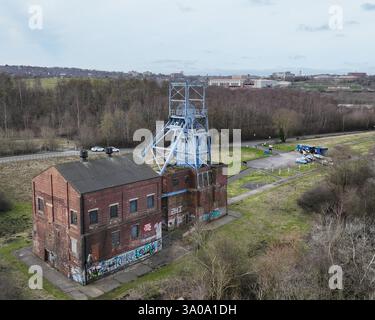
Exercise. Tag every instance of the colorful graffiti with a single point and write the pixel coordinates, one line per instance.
(77, 275)
(215, 214)
(101, 268)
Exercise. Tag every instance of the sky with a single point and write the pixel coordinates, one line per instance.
(194, 36)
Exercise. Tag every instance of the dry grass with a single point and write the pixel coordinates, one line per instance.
(15, 177)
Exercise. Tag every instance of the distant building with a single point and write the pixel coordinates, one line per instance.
(147, 74)
(324, 77)
(264, 83)
(177, 75)
(356, 106)
(338, 88)
(227, 82)
(358, 74)
(287, 75)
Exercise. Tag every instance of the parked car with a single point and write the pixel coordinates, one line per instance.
(302, 161)
(97, 149)
(114, 149)
(309, 158)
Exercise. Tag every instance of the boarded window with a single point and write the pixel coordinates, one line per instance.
(205, 178)
(115, 239)
(74, 246)
(133, 206)
(40, 205)
(187, 180)
(135, 231)
(93, 215)
(210, 180)
(113, 211)
(73, 217)
(150, 202)
(200, 180)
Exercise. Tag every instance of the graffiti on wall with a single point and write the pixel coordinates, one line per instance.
(215, 214)
(77, 275)
(176, 210)
(101, 268)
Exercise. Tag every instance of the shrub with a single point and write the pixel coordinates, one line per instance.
(5, 204)
(317, 199)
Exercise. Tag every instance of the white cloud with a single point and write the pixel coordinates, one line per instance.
(173, 35)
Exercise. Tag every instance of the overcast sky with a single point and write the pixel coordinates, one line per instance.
(196, 36)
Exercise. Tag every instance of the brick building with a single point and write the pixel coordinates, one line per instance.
(189, 194)
(93, 217)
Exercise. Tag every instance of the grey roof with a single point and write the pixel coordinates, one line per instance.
(103, 173)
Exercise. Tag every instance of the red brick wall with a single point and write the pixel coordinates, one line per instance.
(199, 200)
(99, 243)
(52, 230)
(99, 239)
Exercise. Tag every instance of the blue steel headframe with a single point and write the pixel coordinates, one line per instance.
(187, 122)
(187, 99)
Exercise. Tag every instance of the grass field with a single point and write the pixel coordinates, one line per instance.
(258, 178)
(50, 83)
(14, 276)
(46, 83)
(255, 178)
(249, 153)
(17, 220)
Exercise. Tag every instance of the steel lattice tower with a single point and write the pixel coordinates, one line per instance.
(186, 129)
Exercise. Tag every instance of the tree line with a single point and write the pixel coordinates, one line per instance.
(108, 111)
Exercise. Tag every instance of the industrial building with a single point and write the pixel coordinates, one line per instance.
(94, 217)
(227, 82)
(287, 75)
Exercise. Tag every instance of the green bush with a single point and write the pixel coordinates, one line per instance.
(5, 204)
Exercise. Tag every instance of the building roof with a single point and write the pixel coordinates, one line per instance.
(95, 175)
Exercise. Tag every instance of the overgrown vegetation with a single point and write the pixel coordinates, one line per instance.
(343, 235)
(14, 276)
(110, 111)
(216, 270)
(5, 204)
(348, 190)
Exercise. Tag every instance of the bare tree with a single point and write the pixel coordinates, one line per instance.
(285, 122)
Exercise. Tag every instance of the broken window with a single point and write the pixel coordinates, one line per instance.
(93, 215)
(135, 231)
(113, 211)
(40, 205)
(115, 239)
(150, 201)
(133, 205)
(73, 217)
